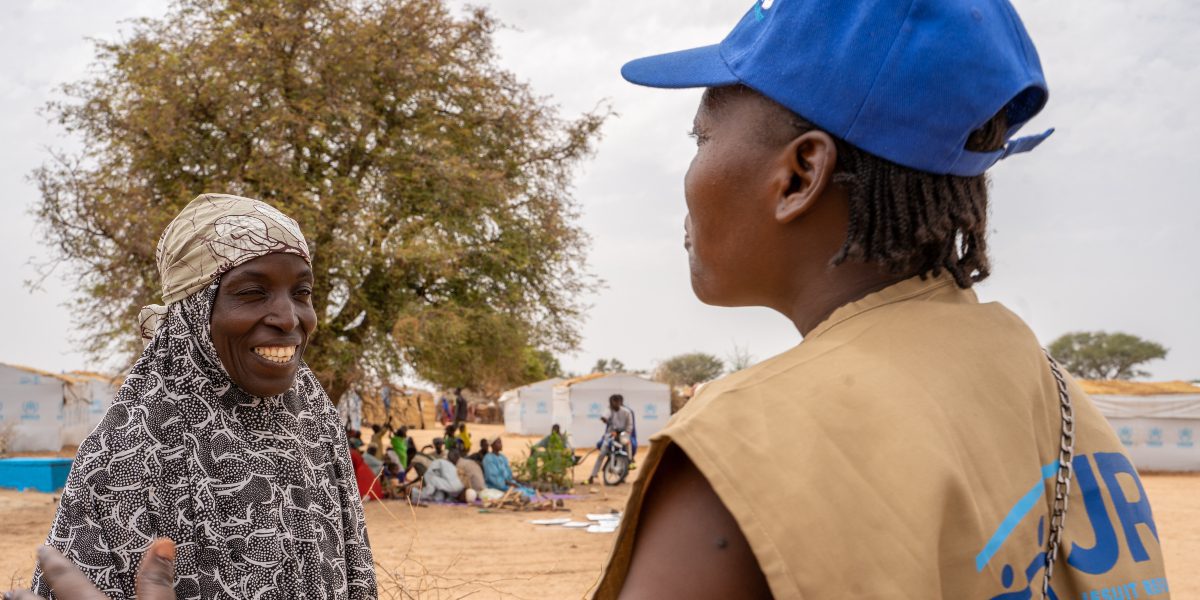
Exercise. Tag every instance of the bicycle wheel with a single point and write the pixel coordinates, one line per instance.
(616, 468)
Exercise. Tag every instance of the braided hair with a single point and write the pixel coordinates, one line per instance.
(913, 222)
(907, 222)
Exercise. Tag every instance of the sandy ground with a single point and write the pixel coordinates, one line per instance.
(447, 552)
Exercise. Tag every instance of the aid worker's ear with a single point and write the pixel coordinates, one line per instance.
(811, 158)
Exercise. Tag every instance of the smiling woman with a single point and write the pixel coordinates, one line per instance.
(221, 439)
(261, 321)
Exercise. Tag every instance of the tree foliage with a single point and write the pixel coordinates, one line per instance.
(432, 185)
(689, 369)
(608, 365)
(549, 468)
(540, 365)
(1101, 355)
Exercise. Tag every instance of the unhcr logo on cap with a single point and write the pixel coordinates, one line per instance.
(761, 6)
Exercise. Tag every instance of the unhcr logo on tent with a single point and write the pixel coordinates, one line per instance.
(651, 412)
(594, 411)
(1156, 438)
(541, 408)
(30, 411)
(1126, 434)
(1185, 438)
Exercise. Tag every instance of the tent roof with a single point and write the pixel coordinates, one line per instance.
(515, 393)
(595, 376)
(552, 382)
(59, 376)
(582, 378)
(1137, 388)
(92, 375)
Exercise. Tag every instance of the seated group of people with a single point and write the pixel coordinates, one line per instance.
(446, 471)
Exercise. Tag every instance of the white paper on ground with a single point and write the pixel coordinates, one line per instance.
(550, 521)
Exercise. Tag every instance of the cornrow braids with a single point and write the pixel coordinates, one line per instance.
(912, 222)
(906, 221)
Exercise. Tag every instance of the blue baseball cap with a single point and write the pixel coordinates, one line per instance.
(906, 80)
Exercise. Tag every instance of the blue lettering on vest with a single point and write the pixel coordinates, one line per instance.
(1101, 557)
(1130, 513)
(1155, 586)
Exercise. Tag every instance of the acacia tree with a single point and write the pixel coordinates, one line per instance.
(1101, 355)
(433, 186)
(689, 369)
(608, 365)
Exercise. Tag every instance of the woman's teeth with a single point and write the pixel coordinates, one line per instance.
(276, 354)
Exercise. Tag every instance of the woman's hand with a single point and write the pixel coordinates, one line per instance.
(155, 578)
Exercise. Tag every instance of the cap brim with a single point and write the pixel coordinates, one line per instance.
(698, 67)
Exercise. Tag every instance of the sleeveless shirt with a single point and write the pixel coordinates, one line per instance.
(907, 448)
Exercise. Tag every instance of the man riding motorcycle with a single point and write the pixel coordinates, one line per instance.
(618, 430)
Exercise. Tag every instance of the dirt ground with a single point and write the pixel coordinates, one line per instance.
(445, 552)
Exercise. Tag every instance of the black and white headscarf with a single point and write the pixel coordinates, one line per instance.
(259, 494)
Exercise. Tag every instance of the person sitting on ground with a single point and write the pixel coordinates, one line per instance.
(618, 425)
(450, 437)
(373, 463)
(556, 438)
(555, 433)
(378, 432)
(496, 471)
(419, 464)
(439, 448)
(440, 482)
(367, 480)
(404, 447)
(471, 474)
(392, 480)
(481, 453)
(465, 437)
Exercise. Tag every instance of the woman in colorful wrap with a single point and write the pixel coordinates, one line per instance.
(221, 439)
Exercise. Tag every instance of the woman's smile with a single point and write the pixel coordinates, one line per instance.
(277, 355)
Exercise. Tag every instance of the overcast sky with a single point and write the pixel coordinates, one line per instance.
(1097, 229)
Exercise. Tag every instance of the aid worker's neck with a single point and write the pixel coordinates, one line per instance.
(814, 296)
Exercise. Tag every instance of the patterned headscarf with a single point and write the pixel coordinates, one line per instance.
(213, 234)
(259, 494)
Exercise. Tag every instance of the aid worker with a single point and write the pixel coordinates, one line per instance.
(938, 452)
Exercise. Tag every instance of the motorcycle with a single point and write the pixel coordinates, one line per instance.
(614, 461)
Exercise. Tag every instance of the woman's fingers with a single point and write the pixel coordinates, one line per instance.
(64, 578)
(156, 574)
(155, 578)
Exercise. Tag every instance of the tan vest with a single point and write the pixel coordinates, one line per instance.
(918, 432)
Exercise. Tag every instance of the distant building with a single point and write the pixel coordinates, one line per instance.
(1158, 423)
(42, 411)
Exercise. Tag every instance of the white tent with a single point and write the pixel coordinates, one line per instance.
(1159, 423)
(42, 411)
(579, 403)
(528, 409)
(31, 409)
(86, 398)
